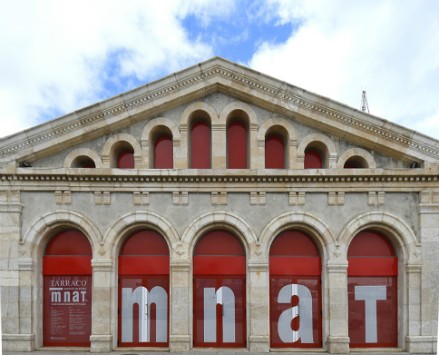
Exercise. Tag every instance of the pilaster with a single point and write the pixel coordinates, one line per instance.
(16, 324)
(258, 308)
(429, 242)
(338, 338)
(101, 335)
(180, 304)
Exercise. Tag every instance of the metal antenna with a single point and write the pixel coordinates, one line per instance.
(364, 105)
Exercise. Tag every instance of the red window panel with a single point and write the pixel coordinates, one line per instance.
(219, 242)
(274, 151)
(125, 159)
(219, 291)
(313, 159)
(219, 311)
(295, 311)
(67, 290)
(200, 145)
(144, 291)
(295, 292)
(143, 311)
(373, 320)
(237, 145)
(163, 152)
(372, 291)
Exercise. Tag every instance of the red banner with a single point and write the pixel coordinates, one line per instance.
(67, 310)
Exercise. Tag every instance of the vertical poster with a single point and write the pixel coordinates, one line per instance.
(67, 310)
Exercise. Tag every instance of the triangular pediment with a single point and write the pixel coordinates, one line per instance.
(220, 76)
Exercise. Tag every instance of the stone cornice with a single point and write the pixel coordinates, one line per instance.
(215, 74)
(289, 180)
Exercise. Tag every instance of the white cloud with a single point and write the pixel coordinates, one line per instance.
(388, 48)
(55, 54)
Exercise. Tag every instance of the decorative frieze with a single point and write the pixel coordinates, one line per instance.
(257, 198)
(140, 198)
(429, 197)
(102, 198)
(63, 197)
(296, 198)
(180, 198)
(218, 198)
(336, 198)
(376, 198)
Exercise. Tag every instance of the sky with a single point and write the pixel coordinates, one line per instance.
(59, 56)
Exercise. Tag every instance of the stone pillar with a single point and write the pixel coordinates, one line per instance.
(258, 311)
(101, 332)
(413, 305)
(181, 149)
(253, 147)
(426, 341)
(292, 155)
(338, 337)
(17, 332)
(180, 307)
(219, 149)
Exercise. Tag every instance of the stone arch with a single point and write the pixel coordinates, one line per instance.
(277, 121)
(291, 143)
(82, 152)
(113, 141)
(148, 133)
(305, 221)
(393, 227)
(45, 226)
(237, 105)
(321, 138)
(356, 152)
(219, 219)
(198, 106)
(155, 123)
(131, 221)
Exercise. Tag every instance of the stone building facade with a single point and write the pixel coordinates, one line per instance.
(219, 208)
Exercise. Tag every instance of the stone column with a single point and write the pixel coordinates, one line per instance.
(253, 147)
(180, 307)
(16, 324)
(337, 312)
(101, 332)
(219, 149)
(413, 305)
(426, 341)
(258, 311)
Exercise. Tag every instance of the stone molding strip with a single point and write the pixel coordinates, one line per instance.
(284, 95)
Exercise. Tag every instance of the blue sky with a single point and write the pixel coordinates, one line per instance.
(59, 56)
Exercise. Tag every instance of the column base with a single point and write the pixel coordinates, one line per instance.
(421, 344)
(101, 343)
(338, 345)
(178, 343)
(259, 344)
(18, 342)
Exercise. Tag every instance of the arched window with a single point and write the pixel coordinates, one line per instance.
(295, 292)
(372, 291)
(83, 161)
(313, 159)
(123, 156)
(67, 290)
(200, 144)
(356, 162)
(237, 144)
(144, 291)
(219, 291)
(163, 151)
(275, 156)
